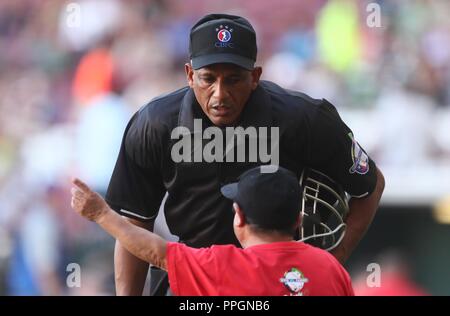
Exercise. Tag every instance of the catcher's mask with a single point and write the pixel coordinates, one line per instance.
(324, 208)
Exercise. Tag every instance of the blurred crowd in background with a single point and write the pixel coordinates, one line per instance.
(73, 72)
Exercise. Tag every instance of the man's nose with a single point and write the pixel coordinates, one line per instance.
(220, 92)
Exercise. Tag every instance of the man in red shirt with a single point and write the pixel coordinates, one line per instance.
(266, 207)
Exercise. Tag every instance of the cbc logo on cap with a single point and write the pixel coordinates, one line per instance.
(224, 36)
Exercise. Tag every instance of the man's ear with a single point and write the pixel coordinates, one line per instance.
(239, 216)
(189, 74)
(256, 74)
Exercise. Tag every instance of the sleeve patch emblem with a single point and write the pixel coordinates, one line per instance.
(359, 157)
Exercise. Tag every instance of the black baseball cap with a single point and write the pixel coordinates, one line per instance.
(269, 200)
(222, 38)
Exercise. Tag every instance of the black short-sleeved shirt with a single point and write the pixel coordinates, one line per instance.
(311, 134)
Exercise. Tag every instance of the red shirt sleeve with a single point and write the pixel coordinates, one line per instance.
(192, 271)
(343, 278)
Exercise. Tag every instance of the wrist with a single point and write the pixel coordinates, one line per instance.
(103, 215)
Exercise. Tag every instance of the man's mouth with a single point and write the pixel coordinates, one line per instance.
(221, 110)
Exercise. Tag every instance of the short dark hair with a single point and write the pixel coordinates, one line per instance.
(289, 229)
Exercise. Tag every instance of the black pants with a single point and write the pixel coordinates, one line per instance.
(159, 282)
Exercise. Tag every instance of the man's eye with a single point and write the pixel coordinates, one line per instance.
(208, 79)
(233, 80)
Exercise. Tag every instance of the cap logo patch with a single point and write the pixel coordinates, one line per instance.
(224, 36)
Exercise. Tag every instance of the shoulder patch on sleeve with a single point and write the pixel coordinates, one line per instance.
(359, 157)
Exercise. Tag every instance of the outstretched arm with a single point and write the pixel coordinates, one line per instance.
(138, 241)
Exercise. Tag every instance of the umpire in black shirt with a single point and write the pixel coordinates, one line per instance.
(225, 91)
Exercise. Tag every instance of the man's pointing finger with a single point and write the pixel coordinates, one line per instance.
(81, 185)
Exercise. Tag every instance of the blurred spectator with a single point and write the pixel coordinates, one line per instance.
(82, 24)
(99, 134)
(37, 249)
(338, 34)
(93, 76)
